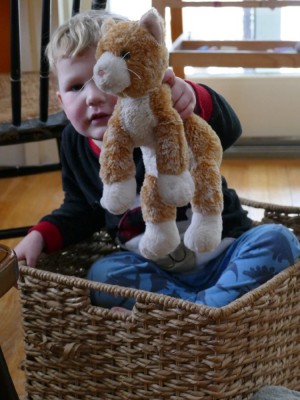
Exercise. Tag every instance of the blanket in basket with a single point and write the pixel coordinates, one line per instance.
(276, 393)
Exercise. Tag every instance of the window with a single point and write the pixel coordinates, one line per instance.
(227, 23)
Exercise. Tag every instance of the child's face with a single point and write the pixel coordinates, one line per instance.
(87, 107)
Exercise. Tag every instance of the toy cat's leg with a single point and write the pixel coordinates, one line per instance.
(205, 230)
(117, 169)
(161, 236)
(174, 180)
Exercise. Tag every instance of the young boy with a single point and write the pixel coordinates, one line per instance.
(246, 256)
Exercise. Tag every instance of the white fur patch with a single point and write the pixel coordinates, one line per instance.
(110, 73)
(149, 157)
(119, 197)
(176, 190)
(159, 239)
(204, 232)
(138, 119)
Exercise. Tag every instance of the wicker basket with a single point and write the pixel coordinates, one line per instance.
(165, 348)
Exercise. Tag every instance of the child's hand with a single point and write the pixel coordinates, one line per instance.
(183, 96)
(30, 248)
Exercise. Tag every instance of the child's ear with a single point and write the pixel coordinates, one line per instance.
(59, 98)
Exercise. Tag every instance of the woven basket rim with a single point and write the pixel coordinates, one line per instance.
(270, 206)
(169, 302)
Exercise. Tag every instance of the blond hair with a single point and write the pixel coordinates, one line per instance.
(76, 36)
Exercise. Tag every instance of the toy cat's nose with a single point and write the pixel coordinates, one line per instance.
(101, 72)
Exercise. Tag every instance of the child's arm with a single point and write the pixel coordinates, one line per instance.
(80, 214)
(30, 248)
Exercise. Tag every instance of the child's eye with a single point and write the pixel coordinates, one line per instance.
(125, 54)
(76, 88)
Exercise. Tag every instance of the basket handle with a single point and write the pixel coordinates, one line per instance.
(140, 296)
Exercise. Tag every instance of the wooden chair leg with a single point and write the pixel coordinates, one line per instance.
(8, 277)
(8, 391)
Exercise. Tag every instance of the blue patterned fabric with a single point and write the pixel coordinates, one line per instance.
(251, 260)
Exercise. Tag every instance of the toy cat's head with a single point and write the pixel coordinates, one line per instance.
(131, 56)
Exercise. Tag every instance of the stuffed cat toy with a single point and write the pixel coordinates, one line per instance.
(131, 61)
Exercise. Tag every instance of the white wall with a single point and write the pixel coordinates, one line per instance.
(266, 105)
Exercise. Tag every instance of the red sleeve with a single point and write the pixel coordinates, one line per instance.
(51, 235)
(203, 99)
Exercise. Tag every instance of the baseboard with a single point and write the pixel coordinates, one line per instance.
(265, 147)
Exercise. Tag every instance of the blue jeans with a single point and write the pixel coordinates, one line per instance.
(251, 260)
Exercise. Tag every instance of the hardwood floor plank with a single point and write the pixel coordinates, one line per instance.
(294, 184)
(276, 181)
(24, 200)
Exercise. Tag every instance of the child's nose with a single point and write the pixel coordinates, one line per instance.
(94, 95)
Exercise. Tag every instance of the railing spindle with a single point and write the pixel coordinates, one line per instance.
(44, 65)
(75, 7)
(98, 4)
(15, 64)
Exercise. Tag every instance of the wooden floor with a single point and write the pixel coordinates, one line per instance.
(24, 200)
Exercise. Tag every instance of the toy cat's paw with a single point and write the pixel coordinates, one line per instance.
(159, 239)
(176, 190)
(204, 233)
(119, 197)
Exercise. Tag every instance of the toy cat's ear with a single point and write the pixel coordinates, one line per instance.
(154, 24)
(106, 25)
